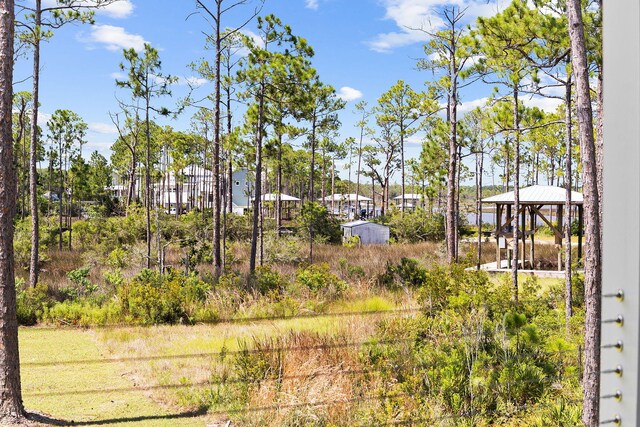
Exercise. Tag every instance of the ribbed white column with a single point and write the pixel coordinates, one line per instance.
(620, 400)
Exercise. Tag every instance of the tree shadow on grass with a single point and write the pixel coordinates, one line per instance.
(47, 420)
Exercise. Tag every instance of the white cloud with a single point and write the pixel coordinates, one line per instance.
(412, 15)
(118, 9)
(467, 106)
(113, 38)
(43, 118)
(103, 128)
(192, 81)
(548, 105)
(347, 93)
(118, 75)
(311, 4)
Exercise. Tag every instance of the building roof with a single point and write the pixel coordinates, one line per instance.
(409, 196)
(359, 223)
(272, 197)
(537, 195)
(345, 198)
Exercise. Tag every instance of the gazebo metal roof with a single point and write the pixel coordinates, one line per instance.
(345, 198)
(537, 195)
(409, 196)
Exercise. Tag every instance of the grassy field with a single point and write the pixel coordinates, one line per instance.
(152, 376)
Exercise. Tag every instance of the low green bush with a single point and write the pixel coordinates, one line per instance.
(415, 226)
(31, 303)
(319, 279)
(152, 298)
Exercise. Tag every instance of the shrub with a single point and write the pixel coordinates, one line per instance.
(269, 282)
(407, 273)
(281, 249)
(416, 226)
(83, 313)
(319, 279)
(152, 298)
(316, 217)
(31, 303)
(79, 278)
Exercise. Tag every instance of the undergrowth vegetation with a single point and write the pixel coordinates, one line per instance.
(425, 343)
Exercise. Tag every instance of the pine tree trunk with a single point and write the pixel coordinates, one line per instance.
(451, 183)
(258, 185)
(147, 182)
(33, 156)
(217, 259)
(516, 193)
(592, 259)
(567, 207)
(11, 408)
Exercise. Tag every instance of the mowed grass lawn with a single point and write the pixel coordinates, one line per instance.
(64, 377)
(138, 376)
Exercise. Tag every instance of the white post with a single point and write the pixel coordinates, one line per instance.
(620, 401)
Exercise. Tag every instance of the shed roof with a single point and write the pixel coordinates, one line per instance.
(345, 198)
(537, 195)
(359, 223)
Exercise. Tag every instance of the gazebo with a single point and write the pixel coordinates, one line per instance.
(532, 200)
(288, 204)
(411, 201)
(346, 202)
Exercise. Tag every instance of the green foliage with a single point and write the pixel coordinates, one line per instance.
(352, 242)
(117, 258)
(320, 280)
(317, 220)
(22, 241)
(80, 278)
(152, 298)
(83, 313)
(269, 282)
(416, 226)
(31, 303)
(281, 249)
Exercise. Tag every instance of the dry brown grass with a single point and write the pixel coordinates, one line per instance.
(306, 381)
(372, 259)
(298, 383)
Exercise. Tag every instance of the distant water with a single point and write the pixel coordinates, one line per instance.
(490, 218)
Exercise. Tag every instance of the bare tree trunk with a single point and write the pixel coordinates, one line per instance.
(311, 175)
(33, 155)
(358, 172)
(568, 310)
(11, 408)
(451, 182)
(217, 259)
(147, 182)
(516, 193)
(60, 201)
(258, 184)
(479, 171)
(402, 177)
(593, 260)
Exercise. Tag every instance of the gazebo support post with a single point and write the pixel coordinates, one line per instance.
(559, 240)
(532, 227)
(523, 221)
(498, 229)
(580, 225)
(509, 221)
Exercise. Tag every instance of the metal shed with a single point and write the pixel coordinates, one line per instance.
(369, 233)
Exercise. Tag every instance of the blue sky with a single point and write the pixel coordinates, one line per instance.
(362, 47)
